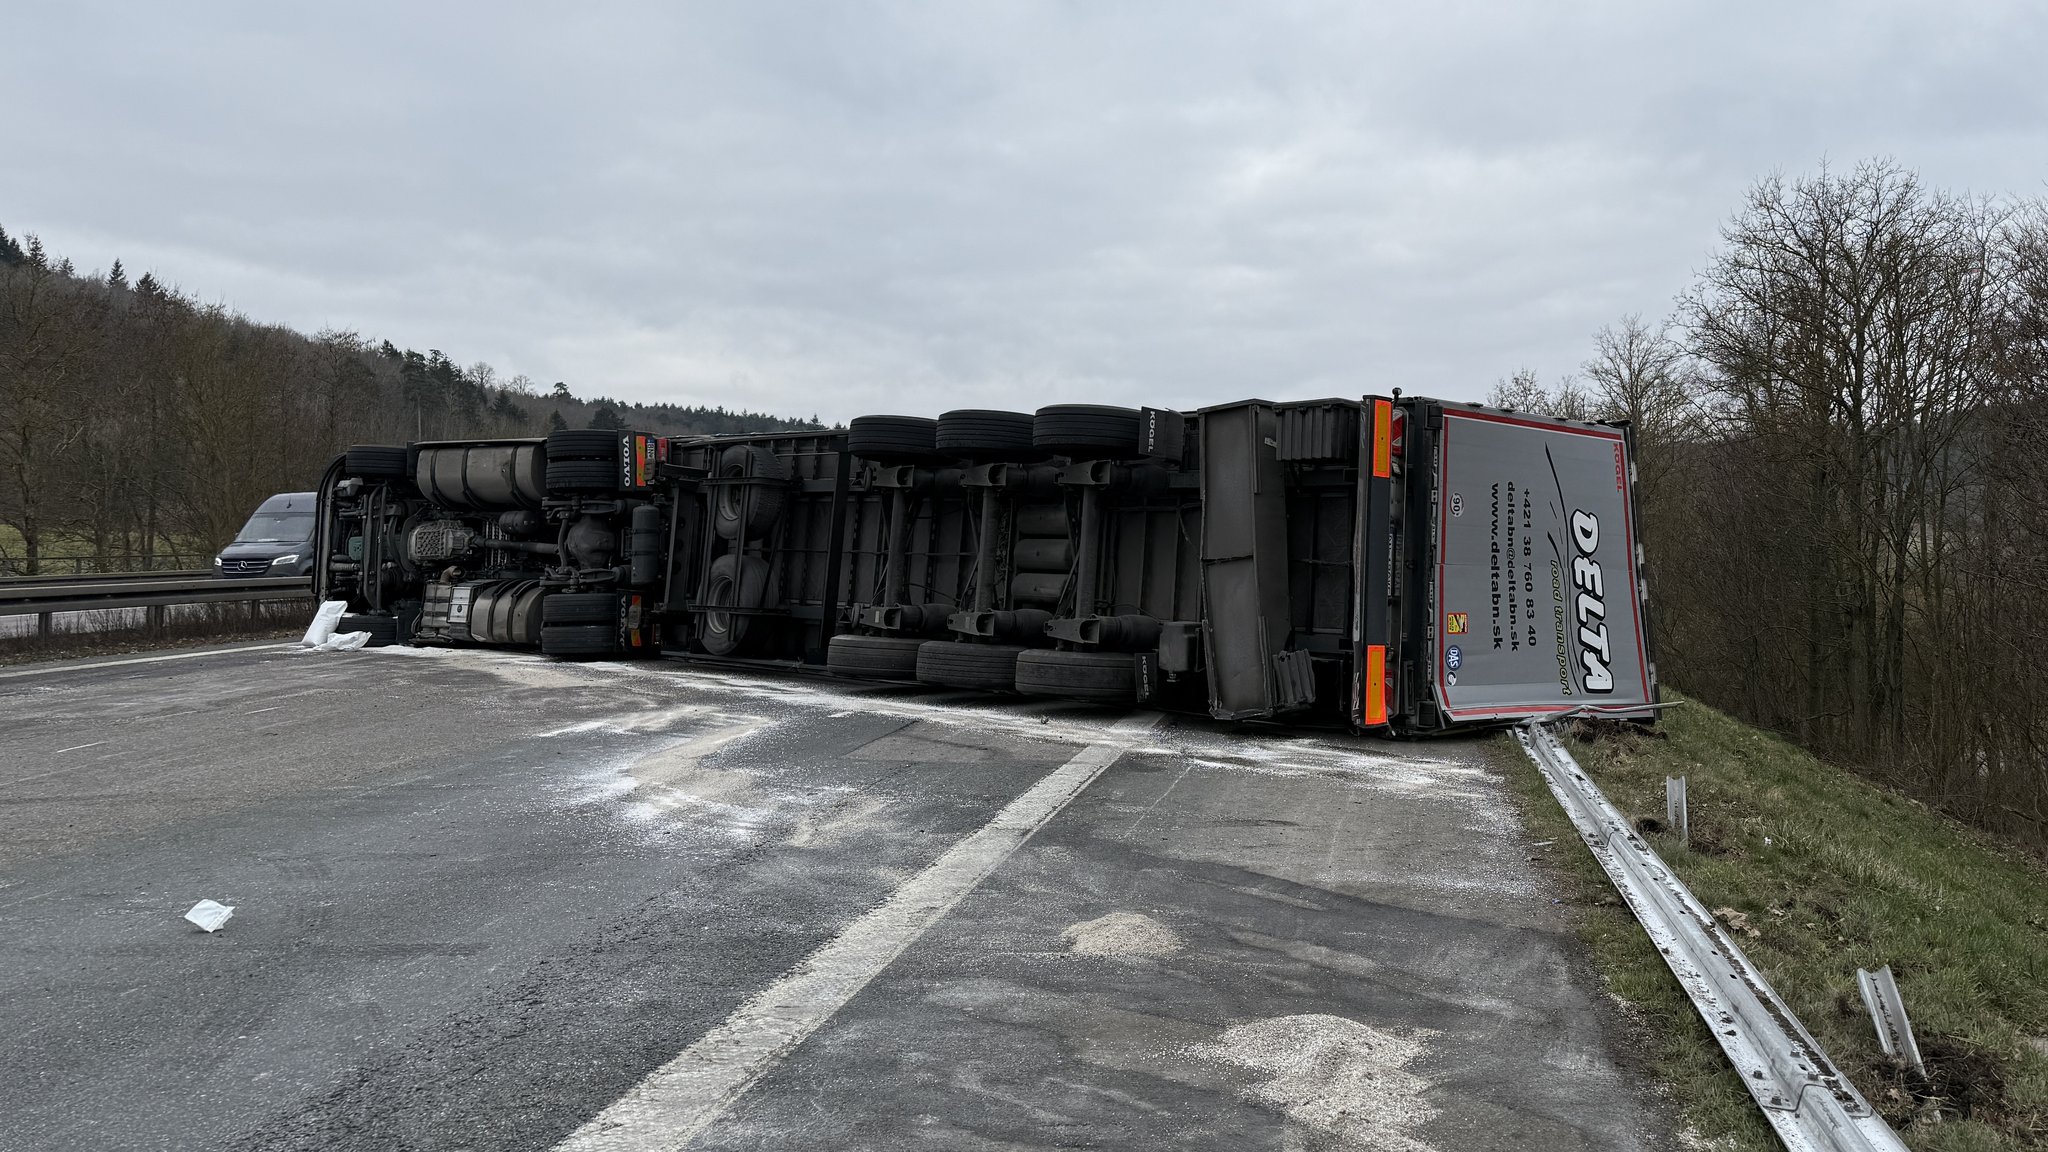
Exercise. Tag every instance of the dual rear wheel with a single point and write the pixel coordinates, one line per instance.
(1098, 677)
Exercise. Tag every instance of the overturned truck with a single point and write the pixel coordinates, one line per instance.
(1391, 564)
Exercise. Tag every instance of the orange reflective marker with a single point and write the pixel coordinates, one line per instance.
(1376, 684)
(1382, 438)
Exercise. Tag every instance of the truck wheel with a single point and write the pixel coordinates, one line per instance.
(585, 476)
(572, 640)
(1102, 677)
(1086, 430)
(873, 657)
(748, 511)
(981, 434)
(580, 608)
(893, 437)
(735, 581)
(383, 630)
(375, 462)
(954, 664)
(584, 444)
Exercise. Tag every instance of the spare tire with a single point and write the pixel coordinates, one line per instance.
(874, 657)
(983, 434)
(375, 462)
(1101, 677)
(584, 444)
(383, 630)
(745, 511)
(734, 581)
(893, 437)
(957, 664)
(1090, 431)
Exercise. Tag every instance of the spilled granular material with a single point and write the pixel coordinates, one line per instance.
(1123, 934)
(1335, 1076)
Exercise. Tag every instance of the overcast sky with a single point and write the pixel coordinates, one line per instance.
(845, 208)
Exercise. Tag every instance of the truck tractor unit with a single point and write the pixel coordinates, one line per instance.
(1395, 565)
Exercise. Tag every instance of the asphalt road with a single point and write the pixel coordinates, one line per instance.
(483, 901)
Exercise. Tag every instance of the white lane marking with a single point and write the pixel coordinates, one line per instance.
(260, 711)
(77, 747)
(45, 775)
(88, 667)
(680, 1099)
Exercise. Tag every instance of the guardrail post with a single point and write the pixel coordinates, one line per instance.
(43, 621)
(1674, 808)
(156, 619)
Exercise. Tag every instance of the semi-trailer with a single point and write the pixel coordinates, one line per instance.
(1394, 564)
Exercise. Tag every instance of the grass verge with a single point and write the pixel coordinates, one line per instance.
(203, 623)
(1818, 873)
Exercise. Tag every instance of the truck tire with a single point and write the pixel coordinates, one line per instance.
(572, 640)
(584, 444)
(734, 581)
(1086, 430)
(747, 511)
(1101, 677)
(982, 434)
(383, 630)
(955, 664)
(893, 437)
(375, 462)
(583, 476)
(874, 657)
(580, 608)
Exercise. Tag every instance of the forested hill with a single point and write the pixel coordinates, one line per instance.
(136, 420)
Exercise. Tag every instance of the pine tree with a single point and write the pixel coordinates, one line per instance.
(561, 391)
(117, 277)
(606, 417)
(11, 254)
(148, 287)
(556, 423)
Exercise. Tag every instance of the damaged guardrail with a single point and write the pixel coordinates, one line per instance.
(1808, 1101)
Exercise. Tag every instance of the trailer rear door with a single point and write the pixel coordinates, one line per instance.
(1538, 604)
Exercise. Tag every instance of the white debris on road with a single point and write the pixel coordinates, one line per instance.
(339, 642)
(1121, 934)
(1337, 1077)
(210, 915)
(324, 622)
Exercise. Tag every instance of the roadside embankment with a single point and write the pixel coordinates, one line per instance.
(122, 630)
(1817, 872)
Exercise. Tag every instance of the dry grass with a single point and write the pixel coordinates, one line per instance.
(196, 624)
(1832, 873)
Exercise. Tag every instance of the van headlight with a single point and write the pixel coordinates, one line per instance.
(287, 558)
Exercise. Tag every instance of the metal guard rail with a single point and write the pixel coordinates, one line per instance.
(1808, 1101)
(44, 595)
(7, 582)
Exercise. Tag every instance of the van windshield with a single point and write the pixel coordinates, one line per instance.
(276, 528)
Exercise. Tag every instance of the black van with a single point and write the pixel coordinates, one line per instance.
(277, 540)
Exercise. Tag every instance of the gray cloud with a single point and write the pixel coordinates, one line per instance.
(846, 208)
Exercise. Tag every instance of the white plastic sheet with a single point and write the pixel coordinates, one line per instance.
(324, 622)
(339, 642)
(210, 915)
